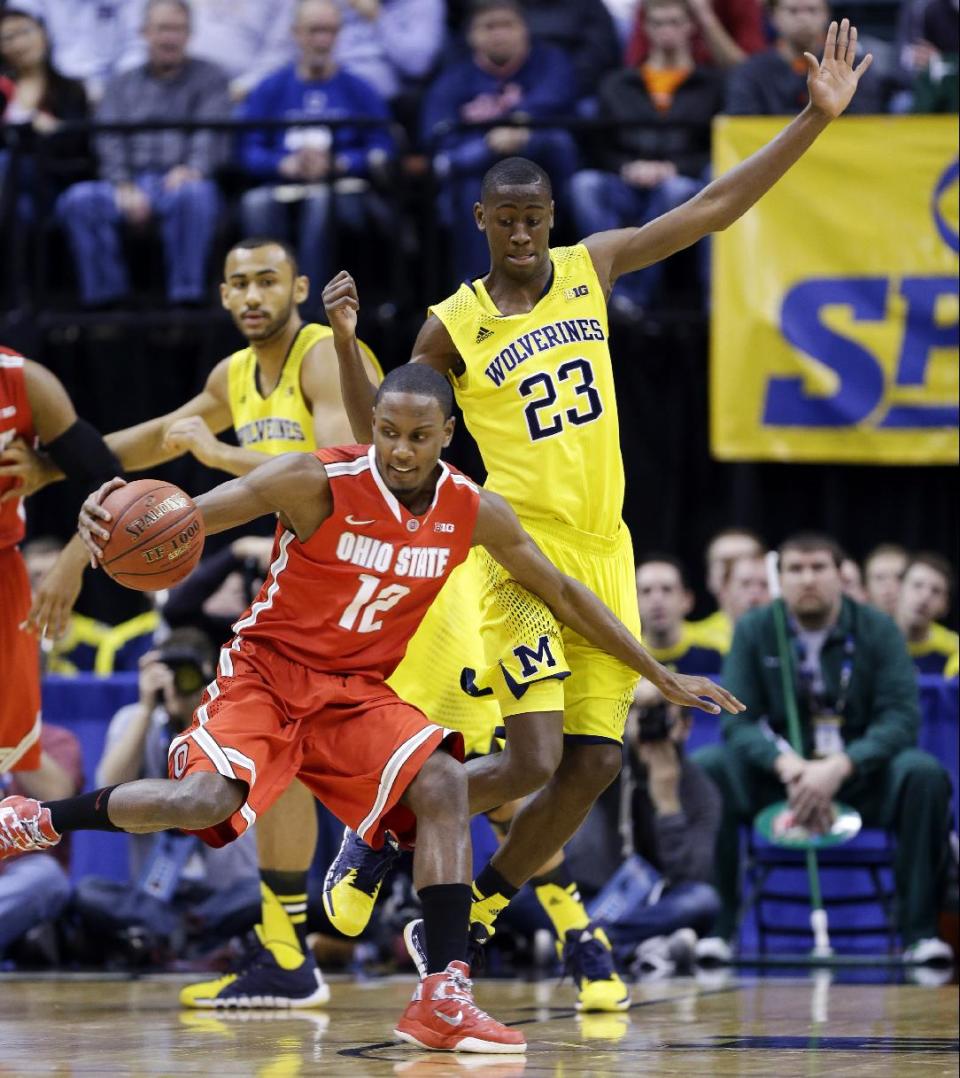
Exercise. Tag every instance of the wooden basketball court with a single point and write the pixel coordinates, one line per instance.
(781, 1028)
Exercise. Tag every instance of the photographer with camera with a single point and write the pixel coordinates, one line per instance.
(178, 884)
(659, 902)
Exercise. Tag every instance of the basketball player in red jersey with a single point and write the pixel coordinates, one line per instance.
(33, 405)
(365, 540)
(280, 393)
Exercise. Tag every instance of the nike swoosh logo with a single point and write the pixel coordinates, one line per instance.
(359, 523)
(454, 1021)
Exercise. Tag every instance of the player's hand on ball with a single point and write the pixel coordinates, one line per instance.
(341, 302)
(31, 469)
(689, 690)
(93, 516)
(192, 435)
(833, 81)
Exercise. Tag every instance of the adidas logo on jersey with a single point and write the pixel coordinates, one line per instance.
(482, 334)
(576, 293)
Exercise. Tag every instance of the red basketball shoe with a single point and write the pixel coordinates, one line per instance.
(24, 825)
(443, 1016)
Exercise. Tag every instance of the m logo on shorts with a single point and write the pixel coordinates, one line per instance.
(531, 661)
(180, 760)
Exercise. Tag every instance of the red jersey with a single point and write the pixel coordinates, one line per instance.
(348, 600)
(16, 419)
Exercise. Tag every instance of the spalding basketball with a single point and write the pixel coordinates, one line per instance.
(156, 535)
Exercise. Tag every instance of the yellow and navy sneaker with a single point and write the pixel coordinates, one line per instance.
(587, 955)
(269, 975)
(353, 881)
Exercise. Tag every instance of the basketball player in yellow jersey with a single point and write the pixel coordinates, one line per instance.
(280, 393)
(526, 350)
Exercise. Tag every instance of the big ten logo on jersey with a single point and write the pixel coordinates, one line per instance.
(576, 292)
(533, 659)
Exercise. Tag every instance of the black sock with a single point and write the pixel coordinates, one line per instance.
(88, 812)
(559, 876)
(291, 891)
(490, 882)
(446, 919)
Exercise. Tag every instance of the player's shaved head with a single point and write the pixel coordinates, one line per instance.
(418, 380)
(514, 172)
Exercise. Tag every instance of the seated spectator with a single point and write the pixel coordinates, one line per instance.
(658, 156)
(93, 40)
(924, 597)
(856, 695)
(390, 44)
(77, 648)
(34, 890)
(774, 82)
(932, 58)
(745, 587)
(152, 174)
(43, 98)
(883, 571)
(584, 30)
(851, 579)
(298, 165)
(659, 901)
(726, 32)
(664, 600)
(213, 883)
(724, 549)
(221, 588)
(505, 78)
(246, 39)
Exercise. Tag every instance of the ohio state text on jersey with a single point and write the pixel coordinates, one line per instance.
(348, 600)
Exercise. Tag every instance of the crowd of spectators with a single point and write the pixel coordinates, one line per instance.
(415, 74)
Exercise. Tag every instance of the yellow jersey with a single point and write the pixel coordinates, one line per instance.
(933, 655)
(282, 421)
(538, 396)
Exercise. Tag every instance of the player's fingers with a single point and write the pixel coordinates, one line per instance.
(842, 38)
(851, 51)
(861, 68)
(813, 65)
(830, 45)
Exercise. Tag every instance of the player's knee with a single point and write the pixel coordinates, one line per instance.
(525, 773)
(592, 767)
(440, 788)
(205, 799)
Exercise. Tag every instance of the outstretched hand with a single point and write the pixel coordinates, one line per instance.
(341, 302)
(833, 81)
(690, 690)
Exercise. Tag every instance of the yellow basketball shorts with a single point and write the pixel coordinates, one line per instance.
(437, 673)
(534, 664)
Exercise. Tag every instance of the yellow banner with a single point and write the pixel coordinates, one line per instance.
(835, 332)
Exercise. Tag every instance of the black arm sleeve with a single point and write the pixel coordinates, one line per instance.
(83, 456)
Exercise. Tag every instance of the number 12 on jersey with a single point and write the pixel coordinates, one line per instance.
(369, 601)
(545, 386)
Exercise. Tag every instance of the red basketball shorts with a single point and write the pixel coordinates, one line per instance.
(350, 740)
(19, 670)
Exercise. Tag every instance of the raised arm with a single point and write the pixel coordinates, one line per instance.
(433, 346)
(323, 390)
(831, 84)
(499, 530)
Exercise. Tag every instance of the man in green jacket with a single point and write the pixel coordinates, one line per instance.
(859, 716)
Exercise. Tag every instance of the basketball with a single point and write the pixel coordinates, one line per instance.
(156, 535)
